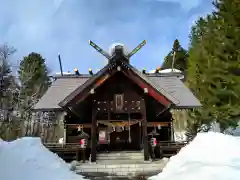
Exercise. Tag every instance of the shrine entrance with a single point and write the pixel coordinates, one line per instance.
(126, 140)
(120, 135)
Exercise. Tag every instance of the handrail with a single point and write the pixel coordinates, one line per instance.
(57, 145)
(60, 144)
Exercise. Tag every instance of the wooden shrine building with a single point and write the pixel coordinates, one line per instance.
(119, 101)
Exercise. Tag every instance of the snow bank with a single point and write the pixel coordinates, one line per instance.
(211, 156)
(28, 159)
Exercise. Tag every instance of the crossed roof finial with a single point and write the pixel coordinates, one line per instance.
(117, 50)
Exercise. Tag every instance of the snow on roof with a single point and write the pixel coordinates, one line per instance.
(170, 70)
(210, 156)
(28, 159)
(166, 71)
(64, 73)
(112, 48)
(152, 71)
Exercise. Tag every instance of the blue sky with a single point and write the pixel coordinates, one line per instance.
(50, 27)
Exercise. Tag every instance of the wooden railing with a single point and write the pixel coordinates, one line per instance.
(172, 143)
(168, 148)
(64, 149)
(163, 148)
(53, 146)
(163, 144)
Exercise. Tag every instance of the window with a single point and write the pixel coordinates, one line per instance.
(119, 101)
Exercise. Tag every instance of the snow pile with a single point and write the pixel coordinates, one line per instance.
(211, 156)
(28, 159)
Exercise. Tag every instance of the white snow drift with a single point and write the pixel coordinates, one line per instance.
(28, 159)
(211, 156)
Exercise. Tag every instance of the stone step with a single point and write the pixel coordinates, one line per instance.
(122, 169)
(120, 155)
(120, 158)
(104, 176)
(121, 161)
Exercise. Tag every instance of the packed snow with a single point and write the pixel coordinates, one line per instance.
(210, 156)
(28, 159)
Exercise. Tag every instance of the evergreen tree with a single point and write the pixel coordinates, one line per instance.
(180, 57)
(33, 75)
(213, 57)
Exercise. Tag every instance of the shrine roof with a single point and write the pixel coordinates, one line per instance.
(170, 83)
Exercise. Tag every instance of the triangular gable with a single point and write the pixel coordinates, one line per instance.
(81, 88)
(100, 77)
(162, 91)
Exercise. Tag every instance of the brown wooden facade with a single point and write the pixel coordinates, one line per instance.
(120, 98)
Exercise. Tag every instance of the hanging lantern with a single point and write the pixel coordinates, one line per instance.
(159, 127)
(113, 128)
(153, 142)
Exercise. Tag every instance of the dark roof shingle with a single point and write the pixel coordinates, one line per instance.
(175, 87)
(59, 89)
(171, 86)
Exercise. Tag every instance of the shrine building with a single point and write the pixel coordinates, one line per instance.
(119, 103)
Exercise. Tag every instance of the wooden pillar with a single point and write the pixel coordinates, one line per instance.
(145, 135)
(77, 155)
(65, 135)
(65, 130)
(140, 135)
(172, 131)
(93, 136)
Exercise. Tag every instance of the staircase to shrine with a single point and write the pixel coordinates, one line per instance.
(121, 157)
(120, 164)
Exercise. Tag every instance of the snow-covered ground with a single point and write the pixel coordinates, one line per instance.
(210, 156)
(28, 159)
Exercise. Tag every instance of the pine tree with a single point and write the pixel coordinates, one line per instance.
(180, 57)
(228, 16)
(213, 57)
(33, 75)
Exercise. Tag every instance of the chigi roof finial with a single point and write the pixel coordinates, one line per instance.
(118, 51)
